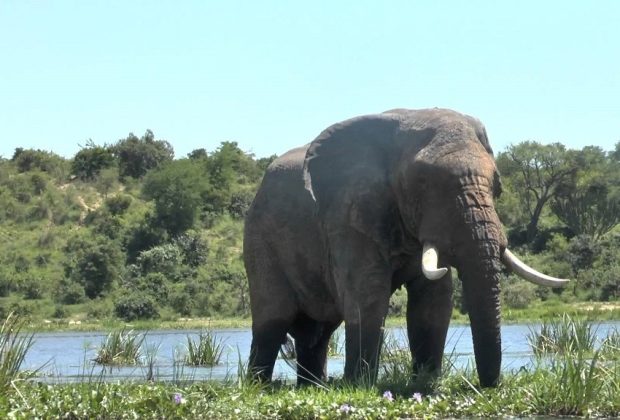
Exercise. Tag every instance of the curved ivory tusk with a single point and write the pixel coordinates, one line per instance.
(528, 273)
(429, 263)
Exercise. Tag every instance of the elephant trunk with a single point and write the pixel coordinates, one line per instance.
(479, 269)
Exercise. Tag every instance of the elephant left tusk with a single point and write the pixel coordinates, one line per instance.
(528, 273)
(430, 257)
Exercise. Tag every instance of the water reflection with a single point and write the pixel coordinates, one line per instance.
(68, 356)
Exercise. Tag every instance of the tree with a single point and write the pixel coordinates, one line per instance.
(136, 156)
(589, 202)
(535, 171)
(90, 160)
(95, 264)
(177, 189)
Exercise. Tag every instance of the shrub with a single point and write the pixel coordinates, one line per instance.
(60, 311)
(518, 294)
(32, 288)
(165, 259)
(69, 292)
(118, 204)
(136, 306)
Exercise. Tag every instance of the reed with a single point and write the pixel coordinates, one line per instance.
(565, 335)
(206, 350)
(121, 347)
(14, 346)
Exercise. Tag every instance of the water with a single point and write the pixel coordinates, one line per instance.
(68, 356)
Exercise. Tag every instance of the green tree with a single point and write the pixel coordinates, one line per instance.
(589, 202)
(136, 156)
(535, 172)
(90, 160)
(177, 189)
(95, 264)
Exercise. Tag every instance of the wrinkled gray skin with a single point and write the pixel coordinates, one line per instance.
(339, 224)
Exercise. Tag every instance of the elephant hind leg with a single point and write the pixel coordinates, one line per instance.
(266, 341)
(311, 345)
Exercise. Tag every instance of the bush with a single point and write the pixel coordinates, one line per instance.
(136, 306)
(32, 288)
(518, 294)
(60, 312)
(118, 204)
(69, 292)
(165, 259)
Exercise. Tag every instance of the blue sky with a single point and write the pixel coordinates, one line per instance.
(272, 74)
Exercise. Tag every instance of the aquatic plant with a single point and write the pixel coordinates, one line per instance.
(121, 347)
(565, 335)
(13, 349)
(206, 350)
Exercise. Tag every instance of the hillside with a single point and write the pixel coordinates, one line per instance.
(126, 231)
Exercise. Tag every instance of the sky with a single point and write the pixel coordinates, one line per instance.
(271, 75)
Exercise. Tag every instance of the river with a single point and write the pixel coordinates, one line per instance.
(68, 356)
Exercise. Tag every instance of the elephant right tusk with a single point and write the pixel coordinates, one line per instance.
(429, 263)
(528, 273)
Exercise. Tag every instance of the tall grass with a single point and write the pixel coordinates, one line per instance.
(205, 351)
(13, 349)
(121, 347)
(563, 336)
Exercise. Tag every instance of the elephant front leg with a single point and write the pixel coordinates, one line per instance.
(429, 308)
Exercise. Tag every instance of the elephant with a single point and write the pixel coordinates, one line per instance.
(374, 203)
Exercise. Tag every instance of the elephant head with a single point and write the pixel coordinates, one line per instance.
(421, 184)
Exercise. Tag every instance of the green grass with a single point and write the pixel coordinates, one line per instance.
(574, 383)
(14, 346)
(121, 347)
(564, 335)
(206, 350)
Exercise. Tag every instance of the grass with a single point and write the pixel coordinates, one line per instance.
(574, 382)
(564, 335)
(13, 349)
(206, 350)
(121, 347)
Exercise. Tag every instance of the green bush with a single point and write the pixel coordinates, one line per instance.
(164, 259)
(118, 204)
(69, 292)
(136, 306)
(518, 294)
(32, 287)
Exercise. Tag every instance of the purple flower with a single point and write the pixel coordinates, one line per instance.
(417, 397)
(178, 398)
(388, 395)
(345, 408)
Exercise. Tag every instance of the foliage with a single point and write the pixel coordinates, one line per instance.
(14, 346)
(136, 305)
(90, 160)
(535, 172)
(120, 347)
(566, 335)
(177, 189)
(136, 156)
(205, 350)
(93, 264)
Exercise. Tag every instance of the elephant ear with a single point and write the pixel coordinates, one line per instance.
(347, 171)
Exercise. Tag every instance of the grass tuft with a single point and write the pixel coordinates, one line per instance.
(205, 351)
(13, 349)
(121, 347)
(563, 336)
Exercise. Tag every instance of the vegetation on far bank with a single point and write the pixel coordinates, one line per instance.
(126, 233)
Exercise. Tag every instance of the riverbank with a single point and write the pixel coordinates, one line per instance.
(541, 392)
(593, 311)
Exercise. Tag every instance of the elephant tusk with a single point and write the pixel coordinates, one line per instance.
(528, 273)
(429, 263)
